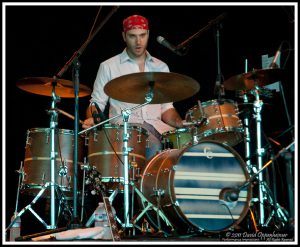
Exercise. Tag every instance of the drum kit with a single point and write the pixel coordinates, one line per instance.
(196, 183)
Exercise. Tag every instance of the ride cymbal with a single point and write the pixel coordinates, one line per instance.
(166, 87)
(250, 80)
(43, 86)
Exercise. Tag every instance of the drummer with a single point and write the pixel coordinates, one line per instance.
(156, 118)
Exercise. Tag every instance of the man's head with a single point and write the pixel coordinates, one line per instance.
(136, 35)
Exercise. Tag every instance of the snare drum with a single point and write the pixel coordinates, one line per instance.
(37, 162)
(105, 153)
(177, 138)
(218, 120)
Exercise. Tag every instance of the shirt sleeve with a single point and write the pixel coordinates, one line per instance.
(98, 94)
(166, 106)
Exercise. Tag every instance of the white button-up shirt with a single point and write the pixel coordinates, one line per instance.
(120, 65)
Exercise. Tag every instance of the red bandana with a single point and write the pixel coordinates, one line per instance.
(135, 22)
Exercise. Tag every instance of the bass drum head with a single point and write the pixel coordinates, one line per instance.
(192, 181)
(203, 173)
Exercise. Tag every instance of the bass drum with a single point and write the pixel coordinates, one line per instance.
(190, 183)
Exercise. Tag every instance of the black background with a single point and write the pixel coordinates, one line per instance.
(39, 40)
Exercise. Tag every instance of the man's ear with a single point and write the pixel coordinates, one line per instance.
(123, 35)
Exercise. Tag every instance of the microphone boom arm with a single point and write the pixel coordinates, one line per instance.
(283, 150)
(194, 36)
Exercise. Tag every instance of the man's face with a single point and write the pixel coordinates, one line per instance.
(136, 41)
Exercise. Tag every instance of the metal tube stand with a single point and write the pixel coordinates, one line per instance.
(126, 150)
(259, 151)
(247, 138)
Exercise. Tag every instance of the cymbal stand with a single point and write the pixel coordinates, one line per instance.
(52, 184)
(263, 190)
(247, 138)
(126, 113)
(257, 105)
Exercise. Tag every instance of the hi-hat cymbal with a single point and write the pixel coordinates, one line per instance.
(248, 81)
(43, 86)
(167, 87)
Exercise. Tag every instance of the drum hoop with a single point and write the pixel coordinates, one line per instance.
(113, 153)
(130, 127)
(43, 130)
(180, 130)
(215, 102)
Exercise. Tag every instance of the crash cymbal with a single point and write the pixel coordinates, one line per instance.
(43, 86)
(248, 81)
(167, 87)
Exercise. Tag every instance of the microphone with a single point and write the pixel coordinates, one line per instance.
(97, 115)
(166, 44)
(274, 64)
(229, 194)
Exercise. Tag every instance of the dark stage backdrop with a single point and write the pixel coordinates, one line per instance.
(39, 40)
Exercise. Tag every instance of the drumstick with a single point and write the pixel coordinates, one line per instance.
(66, 114)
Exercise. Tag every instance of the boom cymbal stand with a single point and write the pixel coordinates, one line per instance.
(52, 183)
(127, 223)
(264, 192)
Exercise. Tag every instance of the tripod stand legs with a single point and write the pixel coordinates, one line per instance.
(29, 207)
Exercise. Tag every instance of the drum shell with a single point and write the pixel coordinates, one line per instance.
(219, 121)
(190, 181)
(105, 152)
(37, 162)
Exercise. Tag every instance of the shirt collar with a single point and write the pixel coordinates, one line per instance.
(124, 57)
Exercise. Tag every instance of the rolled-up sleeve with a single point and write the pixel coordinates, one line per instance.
(98, 94)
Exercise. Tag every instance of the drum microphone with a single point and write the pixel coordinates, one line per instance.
(168, 45)
(97, 115)
(229, 194)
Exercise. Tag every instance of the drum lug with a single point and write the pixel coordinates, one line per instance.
(63, 170)
(147, 143)
(43, 178)
(28, 139)
(69, 182)
(158, 192)
(86, 140)
(166, 170)
(95, 136)
(139, 136)
(48, 136)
